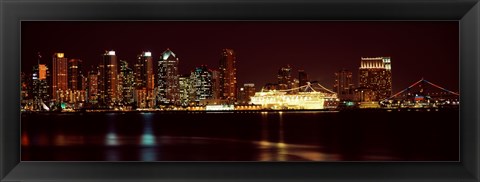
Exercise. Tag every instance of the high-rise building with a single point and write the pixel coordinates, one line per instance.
(92, 89)
(201, 79)
(228, 75)
(302, 78)
(343, 84)
(127, 82)
(75, 74)
(144, 78)
(375, 73)
(59, 77)
(40, 87)
(216, 84)
(284, 76)
(186, 90)
(168, 84)
(108, 80)
(245, 92)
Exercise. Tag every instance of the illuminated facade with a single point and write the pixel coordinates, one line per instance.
(376, 74)
(127, 80)
(92, 88)
(40, 86)
(186, 90)
(59, 77)
(285, 80)
(201, 79)
(245, 92)
(108, 79)
(343, 84)
(228, 75)
(75, 74)
(168, 84)
(303, 100)
(145, 77)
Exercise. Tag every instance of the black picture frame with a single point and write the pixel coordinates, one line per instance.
(467, 12)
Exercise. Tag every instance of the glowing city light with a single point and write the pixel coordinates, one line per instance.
(60, 55)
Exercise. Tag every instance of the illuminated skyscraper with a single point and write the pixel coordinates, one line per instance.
(186, 90)
(285, 80)
(245, 92)
(108, 80)
(75, 74)
(59, 77)
(40, 84)
(343, 84)
(92, 89)
(145, 77)
(228, 75)
(168, 84)
(201, 79)
(127, 82)
(376, 74)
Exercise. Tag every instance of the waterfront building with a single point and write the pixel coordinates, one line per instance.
(108, 79)
(75, 74)
(40, 86)
(92, 89)
(375, 73)
(127, 83)
(186, 90)
(201, 79)
(145, 77)
(245, 92)
(168, 84)
(228, 75)
(59, 77)
(285, 80)
(343, 84)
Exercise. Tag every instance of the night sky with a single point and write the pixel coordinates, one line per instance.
(428, 49)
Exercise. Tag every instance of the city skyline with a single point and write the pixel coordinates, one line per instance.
(406, 58)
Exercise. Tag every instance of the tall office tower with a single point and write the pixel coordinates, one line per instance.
(59, 77)
(201, 79)
(285, 80)
(39, 88)
(302, 78)
(75, 74)
(343, 84)
(186, 90)
(245, 92)
(228, 75)
(168, 85)
(145, 77)
(375, 73)
(215, 84)
(108, 80)
(92, 89)
(127, 83)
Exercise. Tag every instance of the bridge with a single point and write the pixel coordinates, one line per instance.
(423, 93)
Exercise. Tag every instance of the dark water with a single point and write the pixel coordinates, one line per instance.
(247, 136)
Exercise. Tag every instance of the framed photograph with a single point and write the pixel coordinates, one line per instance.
(313, 90)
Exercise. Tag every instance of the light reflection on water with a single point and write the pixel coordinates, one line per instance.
(262, 136)
(148, 137)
